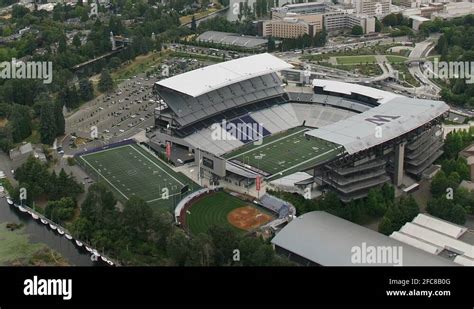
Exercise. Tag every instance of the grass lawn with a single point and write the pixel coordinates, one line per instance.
(212, 210)
(16, 249)
(284, 153)
(188, 18)
(396, 59)
(132, 171)
(355, 59)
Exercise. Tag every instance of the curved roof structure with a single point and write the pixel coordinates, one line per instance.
(329, 240)
(348, 89)
(395, 117)
(198, 82)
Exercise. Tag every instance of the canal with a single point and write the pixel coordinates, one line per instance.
(40, 233)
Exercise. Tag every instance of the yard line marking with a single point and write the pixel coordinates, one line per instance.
(280, 172)
(157, 165)
(160, 198)
(105, 178)
(267, 144)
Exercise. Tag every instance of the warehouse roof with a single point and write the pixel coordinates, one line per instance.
(232, 39)
(329, 241)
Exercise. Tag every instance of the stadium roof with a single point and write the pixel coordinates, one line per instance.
(197, 82)
(232, 39)
(329, 240)
(348, 88)
(396, 117)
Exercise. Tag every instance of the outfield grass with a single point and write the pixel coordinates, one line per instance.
(212, 211)
(131, 171)
(284, 153)
(356, 59)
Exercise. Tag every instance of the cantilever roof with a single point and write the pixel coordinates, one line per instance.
(348, 88)
(395, 117)
(328, 240)
(203, 80)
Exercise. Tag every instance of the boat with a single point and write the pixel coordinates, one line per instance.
(78, 243)
(22, 209)
(110, 263)
(52, 226)
(88, 249)
(61, 232)
(9, 201)
(68, 236)
(35, 216)
(44, 221)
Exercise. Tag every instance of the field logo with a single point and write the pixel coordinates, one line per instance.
(48, 287)
(450, 70)
(379, 120)
(240, 131)
(389, 255)
(15, 69)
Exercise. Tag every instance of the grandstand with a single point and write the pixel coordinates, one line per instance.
(349, 137)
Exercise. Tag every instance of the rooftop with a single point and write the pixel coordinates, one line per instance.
(329, 241)
(348, 88)
(395, 117)
(204, 80)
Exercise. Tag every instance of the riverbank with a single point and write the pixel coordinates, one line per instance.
(16, 249)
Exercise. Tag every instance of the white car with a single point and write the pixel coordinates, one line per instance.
(121, 131)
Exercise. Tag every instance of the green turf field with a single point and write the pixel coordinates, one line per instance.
(284, 153)
(212, 210)
(132, 171)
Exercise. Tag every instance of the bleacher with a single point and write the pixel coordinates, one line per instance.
(246, 129)
(276, 205)
(189, 110)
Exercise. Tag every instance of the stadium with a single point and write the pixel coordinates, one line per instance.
(237, 122)
(235, 129)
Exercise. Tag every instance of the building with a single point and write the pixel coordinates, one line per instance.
(341, 20)
(362, 137)
(233, 39)
(439, 238)
(300, 8)
(319, 238)
(417, 21)
(372, 7)
(397, 136)
(286, 23)
(293, 26)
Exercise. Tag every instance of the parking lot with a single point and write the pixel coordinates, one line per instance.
(129, 106)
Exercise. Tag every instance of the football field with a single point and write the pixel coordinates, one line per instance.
(132, 171)
(284, 153)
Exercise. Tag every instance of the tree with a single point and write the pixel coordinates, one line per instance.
(48, 126)
(271, 44)
(193, 23)
(378, 25)
(86, 90)
(357, 30)
(105, 83)
(76, 41)
(136, 219)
